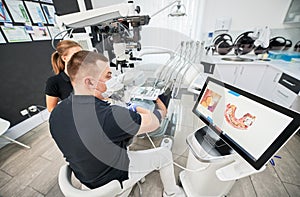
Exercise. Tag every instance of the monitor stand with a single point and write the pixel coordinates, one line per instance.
(237, 170)
(211, 175)
(211, 142)
(215, 146)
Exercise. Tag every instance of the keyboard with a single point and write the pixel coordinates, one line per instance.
(147, 93)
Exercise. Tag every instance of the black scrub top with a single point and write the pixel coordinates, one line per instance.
(59, 86)
(85, 127)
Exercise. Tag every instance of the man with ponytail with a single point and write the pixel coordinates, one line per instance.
(58, 87)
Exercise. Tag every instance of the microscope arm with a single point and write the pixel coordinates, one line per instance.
(96, 16)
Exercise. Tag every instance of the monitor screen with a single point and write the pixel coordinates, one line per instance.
(254, 127)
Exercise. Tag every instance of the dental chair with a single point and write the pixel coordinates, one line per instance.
(111, 189)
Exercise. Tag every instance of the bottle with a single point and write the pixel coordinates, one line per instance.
(208, 44)
(209, 39)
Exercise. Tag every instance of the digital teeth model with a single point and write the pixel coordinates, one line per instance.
(242, 123)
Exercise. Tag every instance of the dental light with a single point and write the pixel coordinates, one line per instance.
(176, 10)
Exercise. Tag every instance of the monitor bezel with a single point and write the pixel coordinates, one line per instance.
(287, 133)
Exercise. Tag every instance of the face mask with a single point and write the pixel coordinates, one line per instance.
(109, 88)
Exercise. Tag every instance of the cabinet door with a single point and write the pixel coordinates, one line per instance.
(269, 82)
(283, 96)
(249, 76)
(226, 72)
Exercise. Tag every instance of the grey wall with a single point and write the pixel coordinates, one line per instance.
(24, 69)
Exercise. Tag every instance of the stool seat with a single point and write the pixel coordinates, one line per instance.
(111, 189)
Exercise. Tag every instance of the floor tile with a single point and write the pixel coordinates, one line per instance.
(19, 183)
(35, 138)
(242, 188)
(28, 192)
(4, 178)
(293, 147)
(293, 190)
(152, 187)
(137, 147)
(144, 141)
(268, 184)
(52, 153)
(42, 184)
(9, 153)
(292, 175)
(54, 192)
(43, 126)
(26, 136)
(180, 161)
(25, 159)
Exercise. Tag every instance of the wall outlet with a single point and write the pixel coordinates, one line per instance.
(24, 112)
(32, 108)
(223, 24)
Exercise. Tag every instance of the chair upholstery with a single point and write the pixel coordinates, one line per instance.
(4, 125)
(111, 189)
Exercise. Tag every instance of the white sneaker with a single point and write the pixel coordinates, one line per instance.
(178, 193)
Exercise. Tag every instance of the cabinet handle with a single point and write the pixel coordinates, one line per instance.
(286, 81)
(286, 96)
(275, 78)
(242, 70)
(210, 68)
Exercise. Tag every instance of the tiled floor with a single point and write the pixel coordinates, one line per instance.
(34, 172)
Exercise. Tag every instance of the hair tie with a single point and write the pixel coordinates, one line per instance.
(56, 52)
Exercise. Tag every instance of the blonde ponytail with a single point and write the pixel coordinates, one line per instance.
(58, 65)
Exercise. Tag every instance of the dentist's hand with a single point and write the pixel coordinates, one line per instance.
(131, 106)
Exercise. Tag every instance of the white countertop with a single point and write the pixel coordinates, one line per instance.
(290, 68)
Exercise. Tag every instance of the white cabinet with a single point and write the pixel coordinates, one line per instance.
(249, 76)
(226, 72)
(269, 82)
(286, 91)
(283, 96)
(244, 76)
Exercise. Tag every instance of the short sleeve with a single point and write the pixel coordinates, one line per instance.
(51, 87)
(121, 123)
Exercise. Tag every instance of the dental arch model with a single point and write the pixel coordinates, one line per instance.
(242, 123)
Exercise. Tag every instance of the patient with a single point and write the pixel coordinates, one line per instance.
(93, 135)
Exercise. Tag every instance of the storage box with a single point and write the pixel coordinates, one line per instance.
(283, 55)
(275, 55)
(287, 56)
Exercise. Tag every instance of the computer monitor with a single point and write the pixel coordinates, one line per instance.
(252, 126)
